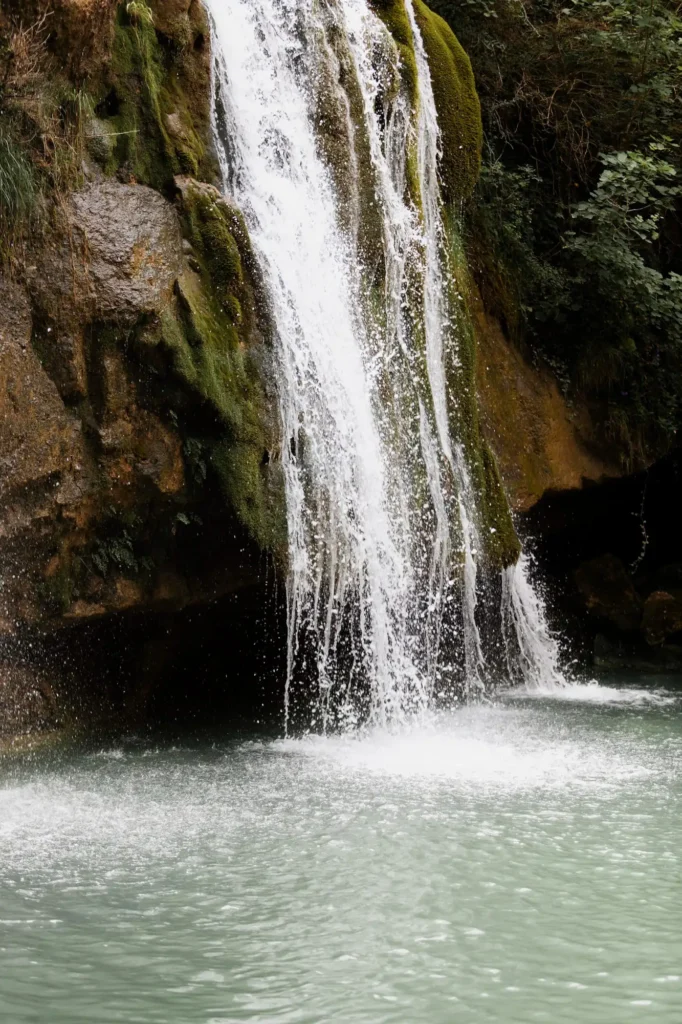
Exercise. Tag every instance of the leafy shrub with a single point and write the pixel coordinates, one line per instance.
(576, 226)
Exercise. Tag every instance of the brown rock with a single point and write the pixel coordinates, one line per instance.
(131, 240)
(609, 593)
(662, 617)
(117, 260)
(39, 438)
(540, 442)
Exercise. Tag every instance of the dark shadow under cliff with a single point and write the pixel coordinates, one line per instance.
(212, 666)
(612, 556)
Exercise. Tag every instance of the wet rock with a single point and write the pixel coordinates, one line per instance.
(39, 438)
(662, 617)
(635, 656)
(609, 592)
(130, 238)
(100, 141)
(116, 260)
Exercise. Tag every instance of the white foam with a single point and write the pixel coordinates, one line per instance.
(478, 746)
(592, 692)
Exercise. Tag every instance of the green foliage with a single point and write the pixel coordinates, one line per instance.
(519, 284)
(634, 192)
(18, 187)
(140, 12)
(41, 117)
(627, 300)
(576, 229)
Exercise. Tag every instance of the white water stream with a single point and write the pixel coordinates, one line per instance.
(382, 519)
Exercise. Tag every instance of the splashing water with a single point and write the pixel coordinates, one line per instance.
(381, 512)
(532, 652)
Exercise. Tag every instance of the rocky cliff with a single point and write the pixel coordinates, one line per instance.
(137, 432)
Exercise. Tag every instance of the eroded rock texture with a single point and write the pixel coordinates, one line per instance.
(138, 444)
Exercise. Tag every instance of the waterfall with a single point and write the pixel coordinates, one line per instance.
(532, 651)
(383, 527)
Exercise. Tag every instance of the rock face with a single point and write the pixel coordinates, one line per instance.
(541, 443)
(116, 261)
(40, 440)
(95, 464)
(613, 555)
(28, 703)
(130, 242)
(138, 435)
(586, 515)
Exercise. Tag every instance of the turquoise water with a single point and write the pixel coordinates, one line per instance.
(515, 862)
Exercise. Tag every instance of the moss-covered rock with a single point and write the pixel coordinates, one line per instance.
(212, 333)
(394, 17)
(454, 89)
(459, 111)
(158, 121)
(498, 536)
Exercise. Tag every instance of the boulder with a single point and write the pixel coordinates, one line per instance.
(662, 617)
(129, 240)
(609, 593)
(115, 261)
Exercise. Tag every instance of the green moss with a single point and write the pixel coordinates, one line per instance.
(208, 335)
(256, 496)
(344, 144)
(501, 545)
(394, 17)
(211, 227)
(459, 111)
(144, 106)
(207, 353)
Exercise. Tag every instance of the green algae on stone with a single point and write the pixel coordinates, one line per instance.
(211, 333)
(256, 497)
(454, 89)
(394, 17)
(344, 144)
(145, 108)
(501, 544)
(457, 104)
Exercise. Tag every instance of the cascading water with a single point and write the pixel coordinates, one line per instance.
(383, 526)
(533, 656)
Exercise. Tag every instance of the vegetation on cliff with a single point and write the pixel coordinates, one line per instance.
(459, 118)
(576, 225)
